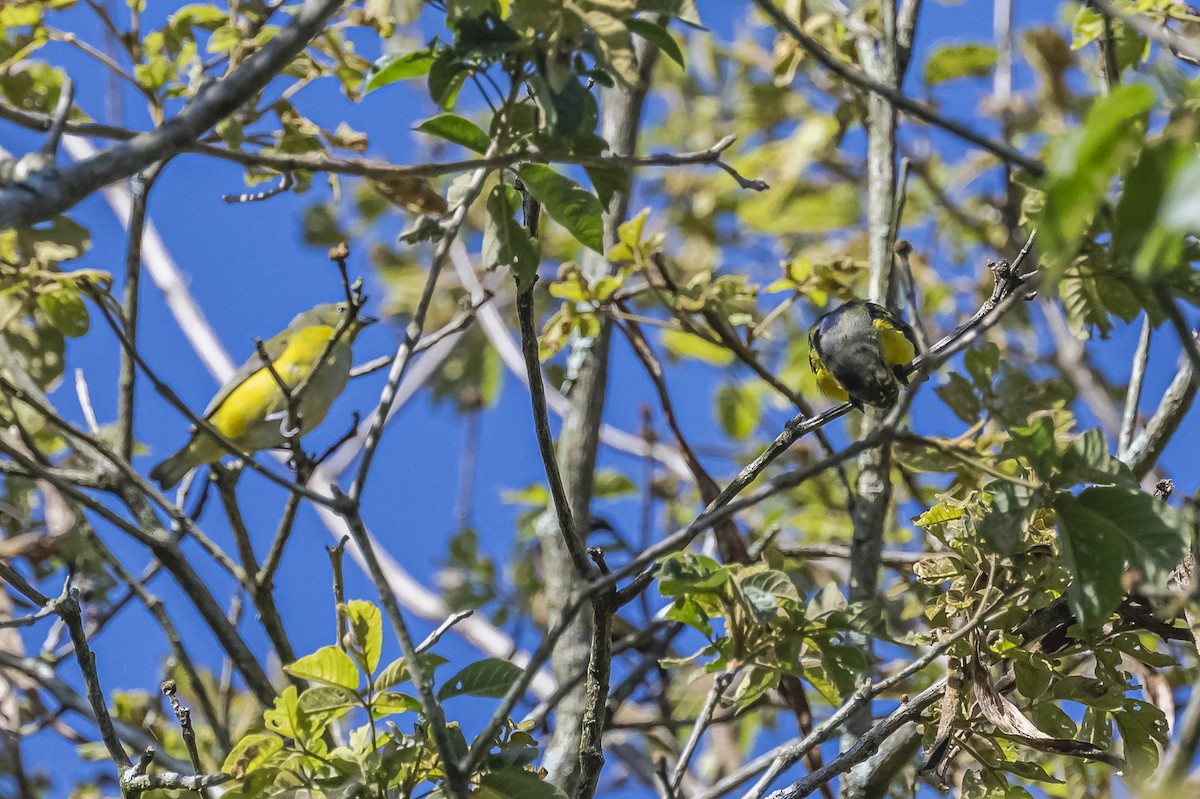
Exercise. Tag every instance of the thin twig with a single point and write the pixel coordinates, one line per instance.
(455, 326)
(893, 559)
(260, 593)
(903, 250)
(720, 685)
(67, 608)
(85, 403)
(442, 629)
(339, 587)
(412, 332)
(1187, 337)
(1148, 445)
(184, 716)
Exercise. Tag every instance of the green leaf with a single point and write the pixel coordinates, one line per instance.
(940, 513)
(1141, 203)
(1035, 442)
(396, 672)
(810, 209)
(567, 113)
(284, 716)
(1087, 460)
(366, 631)
(1143, 729)
(754, 683)
(1096, 694)
(686, 610)
(391, 703)
(1082, 167)
(66, 311)
(611, 484)
(327, 702)
(1101, 530)
(935, 570)
(250, 752)
(1032, 679)
(959, 61)
(960, 398)
(446, 77)
(1131, 644)
(515, 783)
(567, 203)
(1179, 214)
(1011, 508)
(458, 130)
(738, 411)
(507, 243)
(658, 35)
(1082, 303)
(392, 68)
(1181, 207)
(683, 573)
(767, 591)
(608, 180)
(328, 665)
(491, 677)
(681, 344)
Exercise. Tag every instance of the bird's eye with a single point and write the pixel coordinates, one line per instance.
(341, 309)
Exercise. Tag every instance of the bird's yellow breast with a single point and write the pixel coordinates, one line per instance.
(259, 394)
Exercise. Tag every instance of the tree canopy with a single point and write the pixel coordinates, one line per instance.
(582, 524)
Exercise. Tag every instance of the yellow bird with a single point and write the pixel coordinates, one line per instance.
(858, 353)
(251, 410)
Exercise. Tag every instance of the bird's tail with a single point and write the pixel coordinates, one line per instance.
(168, 473)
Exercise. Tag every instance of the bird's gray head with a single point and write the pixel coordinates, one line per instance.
(330, 315)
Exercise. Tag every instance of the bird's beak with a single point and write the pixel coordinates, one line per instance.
(363, 321)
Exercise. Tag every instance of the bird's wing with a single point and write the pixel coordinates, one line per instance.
(274, 347)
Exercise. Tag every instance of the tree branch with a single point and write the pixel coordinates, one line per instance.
(46, 192)
(285, 163)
